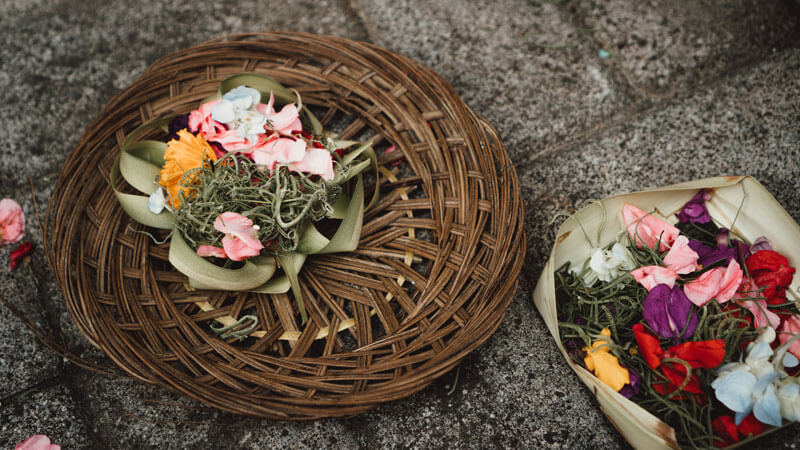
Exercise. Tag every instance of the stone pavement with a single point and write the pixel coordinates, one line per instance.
(592, 98)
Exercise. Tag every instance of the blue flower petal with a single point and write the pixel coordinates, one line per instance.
(156, 202)
(789, 361)
(735, 390)
(767, 409)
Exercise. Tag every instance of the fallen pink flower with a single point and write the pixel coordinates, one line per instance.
(37, 442)
(652, 276)
(12, 222)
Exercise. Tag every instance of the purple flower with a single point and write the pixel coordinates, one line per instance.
(177, 124)
(634, 385)
(708, 255)
(669, 313)
(761, 243)
(695, 210)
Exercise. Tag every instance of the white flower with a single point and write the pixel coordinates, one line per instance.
(605, 265)
(157, 201)
(789, 397)
(238, 109)
(751, 385)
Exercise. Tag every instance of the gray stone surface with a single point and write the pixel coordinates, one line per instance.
(665, 45)
(741, 126)
(50, 410)
(25, 361)
(519, 63)
(65, 59)
(690, 90)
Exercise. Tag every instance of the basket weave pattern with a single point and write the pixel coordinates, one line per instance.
(434, 272)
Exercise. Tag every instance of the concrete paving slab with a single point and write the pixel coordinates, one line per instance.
(127, 413)
(742, 126)
(519, 63)
(25, 362)
(666, 45)
(63, 61)
(48, 410)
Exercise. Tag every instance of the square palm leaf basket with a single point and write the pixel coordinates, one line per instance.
(739, 203)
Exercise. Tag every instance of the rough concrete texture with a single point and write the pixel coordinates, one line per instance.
(519, 63)
(688, 90)
(75, 54)
(665, 45)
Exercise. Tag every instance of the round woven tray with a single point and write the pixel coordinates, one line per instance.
(435, 270)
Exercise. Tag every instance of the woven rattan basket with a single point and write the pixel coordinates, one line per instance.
(435, 270)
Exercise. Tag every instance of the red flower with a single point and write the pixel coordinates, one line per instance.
(770, 270)
(725, 429)
(705, 354)
(701, 354)
(649, 346)
(18, 255)
(750, 426)
(677, 376)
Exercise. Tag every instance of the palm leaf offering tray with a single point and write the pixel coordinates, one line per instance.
(287, 226)
(678, 308)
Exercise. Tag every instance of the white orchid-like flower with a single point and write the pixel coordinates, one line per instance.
(753, 385)
(605, 265)
(238, 110)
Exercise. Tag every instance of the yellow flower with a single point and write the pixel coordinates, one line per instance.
(186, 153)
(605, 365)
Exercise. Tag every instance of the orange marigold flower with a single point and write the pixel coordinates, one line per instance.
(186, 153)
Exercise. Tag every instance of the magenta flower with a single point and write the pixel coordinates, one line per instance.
(708, 255)
(669, 313)
(634, 386)
(695, 210)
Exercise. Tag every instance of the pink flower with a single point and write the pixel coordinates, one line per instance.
(652, 276)
(285, 122)
(762, 317)
(317, 161)
(240, 239)
(12, 222)
(234, 142)
(717, 283)
(730, 282)
(200, 121)
(280, 151)
(210, 250)
(646, 229)
(790, 328)
(37, 442)
(296, 154)
(681, 258)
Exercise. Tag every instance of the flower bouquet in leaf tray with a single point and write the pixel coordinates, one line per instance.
(248, 185)
(678, 307)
